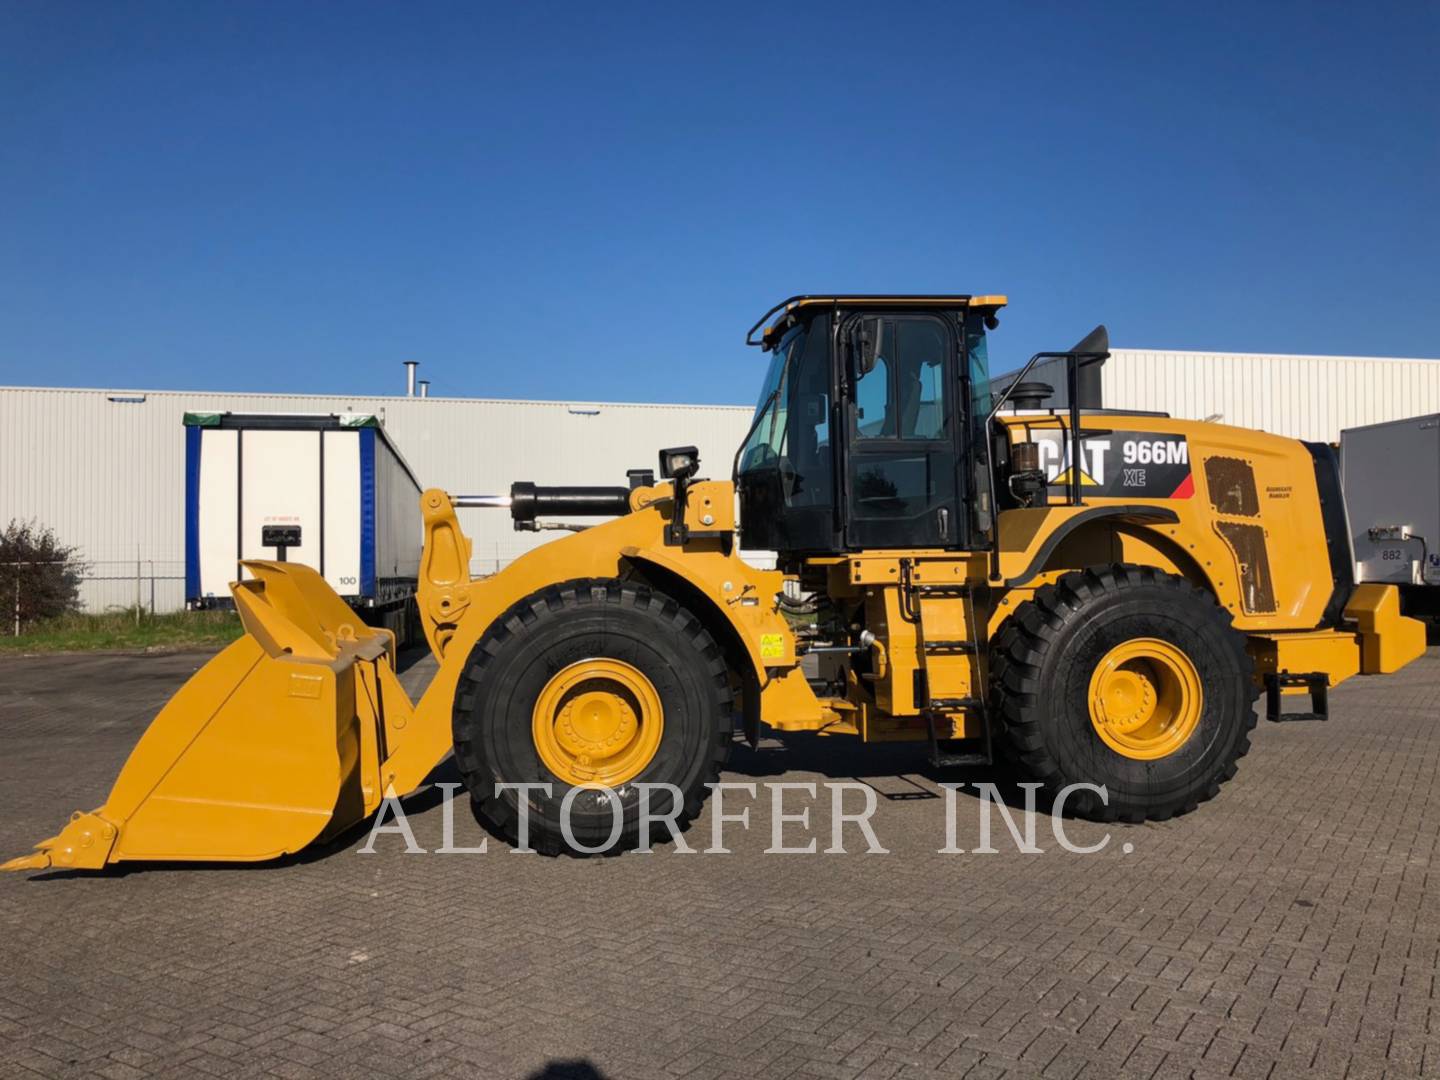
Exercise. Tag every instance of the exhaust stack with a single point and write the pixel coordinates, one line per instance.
(410, 366)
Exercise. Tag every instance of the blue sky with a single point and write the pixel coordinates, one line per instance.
(594, 201)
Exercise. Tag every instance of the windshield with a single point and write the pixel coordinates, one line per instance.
(767, 432)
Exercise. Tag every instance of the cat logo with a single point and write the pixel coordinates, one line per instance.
(1062, 479)
(1120, 464)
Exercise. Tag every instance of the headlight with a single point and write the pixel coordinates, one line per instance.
(679, 462)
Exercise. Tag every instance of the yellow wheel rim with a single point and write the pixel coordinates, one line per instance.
(1145, 699)
(597, 722)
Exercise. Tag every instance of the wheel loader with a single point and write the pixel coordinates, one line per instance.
(1099, 595)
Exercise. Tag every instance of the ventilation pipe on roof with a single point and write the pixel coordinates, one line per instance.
(410, 366)
(424, 387)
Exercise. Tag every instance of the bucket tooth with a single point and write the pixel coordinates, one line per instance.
(84, 844)
(38, 861)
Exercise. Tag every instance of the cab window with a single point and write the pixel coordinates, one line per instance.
(900, 391)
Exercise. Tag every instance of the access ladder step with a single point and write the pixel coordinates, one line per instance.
(942, 760)
(1317, 682)
(948, 646)
(951, 704)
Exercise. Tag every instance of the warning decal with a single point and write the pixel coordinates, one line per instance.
(1120, 464)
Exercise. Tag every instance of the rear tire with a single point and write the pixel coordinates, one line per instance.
(1052, 654)
(517, 673)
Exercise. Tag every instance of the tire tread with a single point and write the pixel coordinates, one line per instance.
(1023, 646)
(517, 622)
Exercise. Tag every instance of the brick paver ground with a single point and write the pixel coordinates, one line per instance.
(1289, 928)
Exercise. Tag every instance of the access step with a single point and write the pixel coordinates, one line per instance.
(954, 704)
(938, 588)
(1317, 682)
(940, 759)
(948, 646)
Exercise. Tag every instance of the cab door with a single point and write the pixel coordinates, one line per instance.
(901, 477)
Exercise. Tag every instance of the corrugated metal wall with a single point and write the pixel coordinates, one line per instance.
(107, 470)
(1304, 397)
(108, 473)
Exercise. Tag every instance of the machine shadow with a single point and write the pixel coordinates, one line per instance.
(408, 657)
(559, 1069)
(895, 771)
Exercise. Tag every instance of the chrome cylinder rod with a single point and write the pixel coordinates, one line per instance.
(489, 502)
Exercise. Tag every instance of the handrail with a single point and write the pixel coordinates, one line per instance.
(1072, 384)
(760, 323)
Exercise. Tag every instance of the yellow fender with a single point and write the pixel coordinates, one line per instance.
(458, 609)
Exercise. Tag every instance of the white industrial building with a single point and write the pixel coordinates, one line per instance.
(1304, 397)
(106, 468)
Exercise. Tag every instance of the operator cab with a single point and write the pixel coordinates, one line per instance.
(870, 424)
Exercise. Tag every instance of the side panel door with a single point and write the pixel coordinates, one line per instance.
(901, 477)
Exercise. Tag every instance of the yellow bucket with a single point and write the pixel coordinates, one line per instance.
(273, 744)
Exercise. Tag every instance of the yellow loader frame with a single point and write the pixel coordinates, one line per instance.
(297, 731)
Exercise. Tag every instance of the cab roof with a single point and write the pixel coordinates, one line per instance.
(769, 331)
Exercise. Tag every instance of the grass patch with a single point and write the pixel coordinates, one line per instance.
(121, 630)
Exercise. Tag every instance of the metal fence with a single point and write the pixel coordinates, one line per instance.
(156, 586)
(15, 587)
(142, 585)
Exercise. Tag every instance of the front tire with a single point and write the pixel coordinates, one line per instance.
(1126, 678)
(587, 683)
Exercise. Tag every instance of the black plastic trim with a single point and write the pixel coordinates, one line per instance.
(940, 300)
(1135, 513)
(1337, 530)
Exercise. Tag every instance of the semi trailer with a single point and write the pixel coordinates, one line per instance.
(1392, 493)
(329, 490)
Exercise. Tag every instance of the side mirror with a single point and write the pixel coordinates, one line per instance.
(869, 346)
